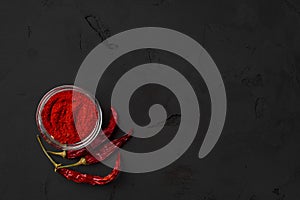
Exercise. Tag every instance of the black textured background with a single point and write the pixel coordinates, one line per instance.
(254, 43)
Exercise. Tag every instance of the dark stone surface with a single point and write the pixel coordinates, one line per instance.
(255, 44)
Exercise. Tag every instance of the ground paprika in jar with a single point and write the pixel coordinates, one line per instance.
(69, 116)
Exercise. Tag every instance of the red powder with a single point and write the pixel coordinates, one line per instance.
(66, 121)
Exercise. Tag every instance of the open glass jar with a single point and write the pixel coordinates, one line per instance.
(68, 117)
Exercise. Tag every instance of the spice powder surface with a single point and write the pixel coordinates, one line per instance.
(69, 116)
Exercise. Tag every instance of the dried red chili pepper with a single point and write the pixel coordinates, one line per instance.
(106, 133)
(88, 178)
(107, 150)
(72, 153)
(102, 154)
(80, 177)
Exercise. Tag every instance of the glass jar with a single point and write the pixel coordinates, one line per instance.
(50, 139)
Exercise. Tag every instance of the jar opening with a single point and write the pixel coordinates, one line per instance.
(69, 117)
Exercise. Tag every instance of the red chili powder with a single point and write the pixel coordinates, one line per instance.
(69, 116)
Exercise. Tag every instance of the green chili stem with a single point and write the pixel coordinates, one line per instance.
(82, 161)
(45, 152)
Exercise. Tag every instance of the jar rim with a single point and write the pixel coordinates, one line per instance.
(47, 136)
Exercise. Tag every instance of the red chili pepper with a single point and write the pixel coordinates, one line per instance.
(107, 150)
(88, 178)
(80, 177)
(107, 132)
(102, 154)
(74, 153)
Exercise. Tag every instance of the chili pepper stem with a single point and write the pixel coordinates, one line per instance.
(48, 156)
(63, 154)
(82, 161)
